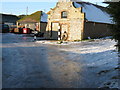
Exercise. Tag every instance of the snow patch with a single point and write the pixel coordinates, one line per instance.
(94, 13)
(44, 17)
(103, 45)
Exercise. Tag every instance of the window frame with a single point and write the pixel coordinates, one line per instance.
(64, 14)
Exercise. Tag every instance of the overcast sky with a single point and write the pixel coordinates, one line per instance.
(19, 7)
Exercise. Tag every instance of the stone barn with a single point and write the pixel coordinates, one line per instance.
(36, 21)
(77, 20)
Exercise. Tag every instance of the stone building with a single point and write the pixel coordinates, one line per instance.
(35, 21)
(77, 20)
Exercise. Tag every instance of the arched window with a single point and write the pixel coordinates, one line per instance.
(64, 14)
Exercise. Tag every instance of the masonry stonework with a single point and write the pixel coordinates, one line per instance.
(72, 25)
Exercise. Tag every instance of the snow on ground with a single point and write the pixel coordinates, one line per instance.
(104, 45)
(91, 64)
(100, 55)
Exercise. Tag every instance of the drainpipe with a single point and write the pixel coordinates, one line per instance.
(39, 26)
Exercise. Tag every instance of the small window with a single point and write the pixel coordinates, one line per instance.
(64, 14)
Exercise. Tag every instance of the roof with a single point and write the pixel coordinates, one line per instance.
(44, 17)
(8, 15)
(8, 18)
(94, 13)
(35, 17)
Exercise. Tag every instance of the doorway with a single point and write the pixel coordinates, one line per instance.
(54, 30)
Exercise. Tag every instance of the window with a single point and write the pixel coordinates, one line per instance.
(64, 14)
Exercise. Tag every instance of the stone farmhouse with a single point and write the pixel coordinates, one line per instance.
(35, 21)
(71, 21)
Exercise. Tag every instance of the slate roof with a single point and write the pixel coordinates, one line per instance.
(94, 13)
